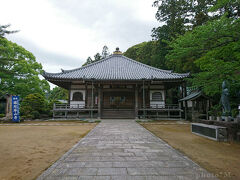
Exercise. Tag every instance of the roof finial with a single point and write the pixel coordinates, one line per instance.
(117, 51)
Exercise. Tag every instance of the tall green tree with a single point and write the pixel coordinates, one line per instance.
(105, 52)
(141, 52)
(148, 53)
(171, 13)
(176, 17)
(231, 8)
(180, 16)
(23, 77)
(3, 50)
(214, 49)
(97, 57)
(58, 93)
(161, 36)
(89, 60)
(4, 30)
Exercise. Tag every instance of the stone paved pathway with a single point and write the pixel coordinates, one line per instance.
(44, 124)
(123, 150)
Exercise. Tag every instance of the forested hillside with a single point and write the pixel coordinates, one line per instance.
(198, 36)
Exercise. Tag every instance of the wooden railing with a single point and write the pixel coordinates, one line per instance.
(72, 106)
(160, 111)
(161, 106)
(74, 111)
(152, 106)
(148, 111)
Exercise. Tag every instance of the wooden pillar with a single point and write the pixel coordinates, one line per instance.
(66, 114)
(99, 101)
(66, 111)
(207, 109)
(181, 96)
(86, 95)
(165, 93)
(186, 106)
(165, 96)
(54, 107)
(182, 93)
(92, 102)
(193, 104)
(180, 110)
(144, 112)
(136, 102)
(69, 93)
(69, 96)
(148, 95)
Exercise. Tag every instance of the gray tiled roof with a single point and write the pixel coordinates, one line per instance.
(115, 67)
(192, 96)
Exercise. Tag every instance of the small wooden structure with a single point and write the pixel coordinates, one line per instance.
(196, 105)
(117, 87)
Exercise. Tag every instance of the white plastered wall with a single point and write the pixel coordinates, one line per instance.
(155, 104)
(75, 104)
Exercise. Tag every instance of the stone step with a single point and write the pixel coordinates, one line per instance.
(116, 114)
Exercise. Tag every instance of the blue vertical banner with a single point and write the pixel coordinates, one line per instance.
(15, 109)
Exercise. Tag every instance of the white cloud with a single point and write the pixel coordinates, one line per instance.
(55, 30)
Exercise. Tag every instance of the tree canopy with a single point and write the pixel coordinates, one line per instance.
(4, 30)
(33, 106)
(97, 57)
(58, 93)
(211, 52)
(19, 71)
(197, 36)
(151, 53)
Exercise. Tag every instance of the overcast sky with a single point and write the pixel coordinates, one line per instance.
(63, 33)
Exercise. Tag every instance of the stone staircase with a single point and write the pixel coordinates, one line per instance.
(118, 114)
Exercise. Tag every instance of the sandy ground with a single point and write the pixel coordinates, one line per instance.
(220, 158)
(26, 151)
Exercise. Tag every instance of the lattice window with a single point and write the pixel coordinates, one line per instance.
(117, 99)
(77, 96)
(157, 96)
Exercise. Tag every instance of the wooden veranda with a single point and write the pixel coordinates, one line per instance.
(119, 87)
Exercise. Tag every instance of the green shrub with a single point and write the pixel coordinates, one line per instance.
(235, 112)
(50, 107)
(2, 115)
(35, 114)
(216, 110)
(33, 105)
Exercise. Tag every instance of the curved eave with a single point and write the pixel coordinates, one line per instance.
(92, 79)
(145, 72)
(49, 76)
